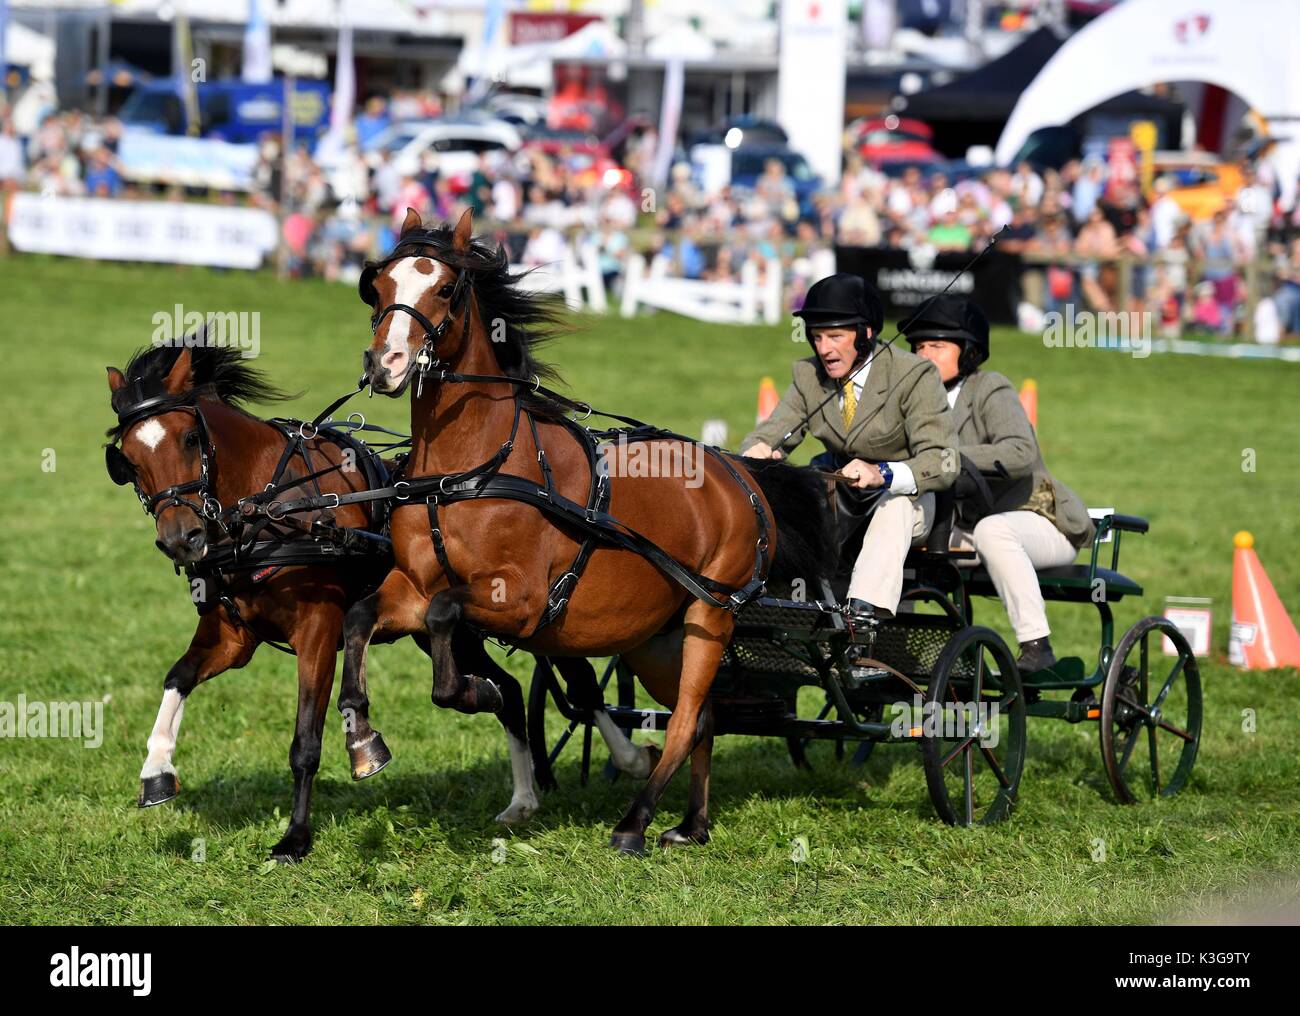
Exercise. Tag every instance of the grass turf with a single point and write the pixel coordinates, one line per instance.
(92, 612)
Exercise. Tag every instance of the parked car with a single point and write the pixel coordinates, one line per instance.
(743, 132)
(1202, 184)
(748, 164)
(889, 139)
(230, 110)
(457, 144)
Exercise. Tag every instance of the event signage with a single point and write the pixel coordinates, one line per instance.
(166, 231)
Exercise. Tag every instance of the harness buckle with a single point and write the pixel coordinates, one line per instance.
(271, 511)
(314, 430)
(442, 485)
(401, 485)
(334, 496)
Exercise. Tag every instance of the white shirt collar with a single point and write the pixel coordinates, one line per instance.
(859, 377)
(953, 392)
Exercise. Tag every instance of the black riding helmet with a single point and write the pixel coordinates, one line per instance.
(842, 300)
(954, 319)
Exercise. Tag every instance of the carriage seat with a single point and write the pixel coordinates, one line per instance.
(1071, 583)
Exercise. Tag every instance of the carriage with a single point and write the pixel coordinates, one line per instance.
(933, 677)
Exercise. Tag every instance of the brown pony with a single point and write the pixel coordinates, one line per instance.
(189, 449)
(446, 302)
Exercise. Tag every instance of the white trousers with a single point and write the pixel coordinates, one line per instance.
(1012, 546)
(898, 524)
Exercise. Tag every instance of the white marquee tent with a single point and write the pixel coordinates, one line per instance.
(1244, 46)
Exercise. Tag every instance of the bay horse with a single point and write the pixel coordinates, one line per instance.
(187, 445)
(176, 406)
(484, 536)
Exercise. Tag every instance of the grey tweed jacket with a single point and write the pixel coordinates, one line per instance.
(992, 427)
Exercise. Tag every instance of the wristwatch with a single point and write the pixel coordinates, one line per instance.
(886, 474)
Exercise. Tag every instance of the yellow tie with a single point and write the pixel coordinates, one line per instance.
(850, 402)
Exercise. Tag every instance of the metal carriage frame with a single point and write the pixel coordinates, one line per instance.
(955, 675)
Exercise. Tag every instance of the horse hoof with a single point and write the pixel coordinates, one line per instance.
(370, 756)
(518, 813)
(628, 843)
(487, 696)
(158, 789)
(677, 837)
(290, 850)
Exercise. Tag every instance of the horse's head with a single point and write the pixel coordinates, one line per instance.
(163, 451)
(418, 296)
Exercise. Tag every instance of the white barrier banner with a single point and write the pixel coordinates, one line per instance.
(164, 231)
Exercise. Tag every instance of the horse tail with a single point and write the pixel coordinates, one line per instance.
(805, 540)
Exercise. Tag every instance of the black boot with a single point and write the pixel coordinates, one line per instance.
(1035, 655)
(861, 614)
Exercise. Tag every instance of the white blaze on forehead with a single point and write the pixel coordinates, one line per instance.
(150, 433)
(413, 277)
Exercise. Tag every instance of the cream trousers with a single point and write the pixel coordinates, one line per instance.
(898, 524)
(1012, 546)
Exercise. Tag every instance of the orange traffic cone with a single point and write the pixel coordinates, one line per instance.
(1029, 399)
(767, 399)
(1263, 636)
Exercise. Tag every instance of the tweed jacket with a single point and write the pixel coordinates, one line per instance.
(992, 428)
(902, 416)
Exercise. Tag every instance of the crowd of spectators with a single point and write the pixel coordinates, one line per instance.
(1076, 224)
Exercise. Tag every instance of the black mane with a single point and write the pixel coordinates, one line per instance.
(220, 372)
(530, 319)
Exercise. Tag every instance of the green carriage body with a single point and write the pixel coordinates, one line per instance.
(791, 640)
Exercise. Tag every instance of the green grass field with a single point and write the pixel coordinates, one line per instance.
(91, 611)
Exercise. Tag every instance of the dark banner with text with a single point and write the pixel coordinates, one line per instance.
(907, 278)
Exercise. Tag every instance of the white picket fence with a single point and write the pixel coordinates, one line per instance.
(576, 275)
(721, 302)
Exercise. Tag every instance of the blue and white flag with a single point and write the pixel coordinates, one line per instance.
(257, 46)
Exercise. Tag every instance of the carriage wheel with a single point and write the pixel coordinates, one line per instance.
(1150, 714)
(974, 756)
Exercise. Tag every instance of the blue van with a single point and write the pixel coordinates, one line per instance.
(231, 110)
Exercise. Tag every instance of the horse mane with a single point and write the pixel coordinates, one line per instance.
(220, 372)
(530, 319)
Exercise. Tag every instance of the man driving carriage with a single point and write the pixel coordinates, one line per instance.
(1031, 520)
(882, 415)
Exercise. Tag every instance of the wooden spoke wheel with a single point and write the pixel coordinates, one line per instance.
(973, 729)
(1150, 713)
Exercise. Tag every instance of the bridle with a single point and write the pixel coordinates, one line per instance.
(207, 507)
(416, 245)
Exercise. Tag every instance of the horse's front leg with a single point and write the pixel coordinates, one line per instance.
(315, 640)
(396, 608)
(217, 646)
(452, 687)
(472, 657)
(707, 631)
